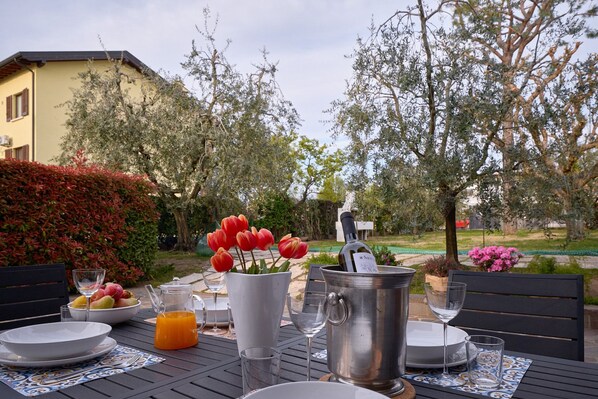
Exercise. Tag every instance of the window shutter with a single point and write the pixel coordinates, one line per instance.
(7, 154)
(26, 152)
(8, 108)
(25, 102)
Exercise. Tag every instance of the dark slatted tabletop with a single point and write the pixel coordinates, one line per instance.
(211, 370)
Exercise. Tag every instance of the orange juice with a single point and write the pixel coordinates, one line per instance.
(175, 330)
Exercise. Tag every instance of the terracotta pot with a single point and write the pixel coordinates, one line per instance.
(257, 302)
(438, 283)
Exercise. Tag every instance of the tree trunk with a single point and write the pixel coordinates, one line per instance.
(573, 221)
(508, 225)
(450, 219)
(184, 242)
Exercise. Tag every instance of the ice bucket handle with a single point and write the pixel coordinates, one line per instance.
(337, 311)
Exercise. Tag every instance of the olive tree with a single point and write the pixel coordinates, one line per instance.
(525, 45)
(413, 108)
(229, 133)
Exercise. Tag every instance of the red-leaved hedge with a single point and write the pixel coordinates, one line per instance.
(84, 217)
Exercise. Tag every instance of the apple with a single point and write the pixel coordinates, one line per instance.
(105, 302)
(124, 302)
(114, 290)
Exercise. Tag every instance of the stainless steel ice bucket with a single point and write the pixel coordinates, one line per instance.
(367, 326)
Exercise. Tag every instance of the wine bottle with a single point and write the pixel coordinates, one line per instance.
(355, 256)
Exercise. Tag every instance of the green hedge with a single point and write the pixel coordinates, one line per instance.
(84, 217)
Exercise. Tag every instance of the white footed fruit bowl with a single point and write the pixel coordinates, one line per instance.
(109, 316)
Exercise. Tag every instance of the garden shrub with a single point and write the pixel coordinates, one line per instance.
(542, 264)
(83, 217)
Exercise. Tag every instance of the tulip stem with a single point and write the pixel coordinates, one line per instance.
(242, 258)
(272, 255)
(253, 257)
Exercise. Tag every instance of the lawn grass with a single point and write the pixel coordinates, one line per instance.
(524, 240)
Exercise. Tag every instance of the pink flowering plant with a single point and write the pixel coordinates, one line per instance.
(495, 258)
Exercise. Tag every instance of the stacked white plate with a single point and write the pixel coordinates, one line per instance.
(425, 345)
(220, 315)
(52, 344)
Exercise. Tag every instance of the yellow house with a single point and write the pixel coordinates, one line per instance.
(33, 85)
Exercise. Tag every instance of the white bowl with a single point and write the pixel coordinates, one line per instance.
(425, 341)
(108, 316)
(314, 389)
(54, 340)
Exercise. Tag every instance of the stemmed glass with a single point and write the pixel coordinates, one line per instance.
(446, 304)
(88, 281)
(215, 282)
(308, 314)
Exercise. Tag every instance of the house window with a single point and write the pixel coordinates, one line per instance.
(17, 105)
(19, 153)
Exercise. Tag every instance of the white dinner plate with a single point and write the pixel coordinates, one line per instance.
(456, 359)
(314, 389)
(47, 341)
(10, 359)
(425, 341)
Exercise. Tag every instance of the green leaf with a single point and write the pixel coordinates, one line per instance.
(285, 266)
(263, 267)
(253, 269)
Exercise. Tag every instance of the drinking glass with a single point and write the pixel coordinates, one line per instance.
(308, 314)
(88, 281)
(215, 282)
(446, 303)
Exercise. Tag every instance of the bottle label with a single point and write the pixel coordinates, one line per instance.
(365, 262)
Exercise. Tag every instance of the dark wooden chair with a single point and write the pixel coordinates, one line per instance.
(534, 313)
(315, 283)
(32, 294)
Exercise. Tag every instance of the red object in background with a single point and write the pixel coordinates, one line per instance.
(462, 224)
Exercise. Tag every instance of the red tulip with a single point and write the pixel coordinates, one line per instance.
(292, 247)
(219, 239)
(246, 241)
(234, 224)
(222, 261)
(264, 238)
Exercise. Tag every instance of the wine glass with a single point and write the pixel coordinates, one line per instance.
(215, 282)
(88, 281)
(308, 314)
(446, 303)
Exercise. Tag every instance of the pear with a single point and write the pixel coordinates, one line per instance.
(79, 302)
(124, 302)
(105, 302)
(100, 293)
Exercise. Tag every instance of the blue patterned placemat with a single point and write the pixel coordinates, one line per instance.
(514, 368)
(33, 381)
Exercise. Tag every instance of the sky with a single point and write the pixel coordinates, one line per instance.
(309, 39)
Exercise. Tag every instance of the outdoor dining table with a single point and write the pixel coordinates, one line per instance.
(212, 370)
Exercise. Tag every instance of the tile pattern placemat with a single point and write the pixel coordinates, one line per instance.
(514, 368)
(32, 381)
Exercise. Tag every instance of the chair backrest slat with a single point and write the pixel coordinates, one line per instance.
(533, 313)
(32, 294)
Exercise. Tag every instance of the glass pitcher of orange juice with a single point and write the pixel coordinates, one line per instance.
(176, 324)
